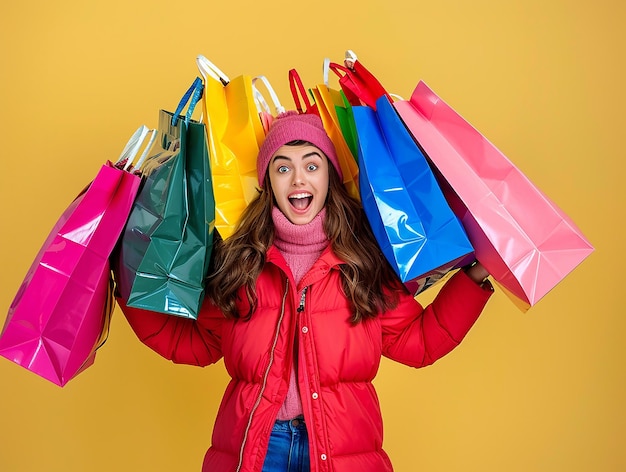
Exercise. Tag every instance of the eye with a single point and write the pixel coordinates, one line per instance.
(311, 167)
(282, 169)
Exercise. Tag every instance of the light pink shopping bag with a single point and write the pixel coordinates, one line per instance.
(525, 241)
(61, 311)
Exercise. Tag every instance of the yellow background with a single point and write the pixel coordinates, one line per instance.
(543, 80)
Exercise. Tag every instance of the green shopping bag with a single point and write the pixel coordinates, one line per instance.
(346, 124)
(163, 255)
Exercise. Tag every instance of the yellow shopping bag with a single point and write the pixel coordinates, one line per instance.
(234, 134)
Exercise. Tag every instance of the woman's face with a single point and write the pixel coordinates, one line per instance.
(299, 178)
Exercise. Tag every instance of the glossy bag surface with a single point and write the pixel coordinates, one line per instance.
(523, 239)
(62, 309)
(235, 131)
(416, 230)
(164, 253)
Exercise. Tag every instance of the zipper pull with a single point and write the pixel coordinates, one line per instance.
(301, 307)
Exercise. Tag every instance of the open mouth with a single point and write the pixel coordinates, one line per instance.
(301, 201)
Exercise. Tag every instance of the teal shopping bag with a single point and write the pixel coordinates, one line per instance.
(164, 253)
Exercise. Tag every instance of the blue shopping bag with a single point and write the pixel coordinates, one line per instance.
(415, 228)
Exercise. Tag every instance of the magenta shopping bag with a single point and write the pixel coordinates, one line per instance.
(525, 241)
(60, 314)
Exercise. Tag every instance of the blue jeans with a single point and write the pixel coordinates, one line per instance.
(288, 450)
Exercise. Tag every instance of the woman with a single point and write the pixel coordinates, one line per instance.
(302, 305)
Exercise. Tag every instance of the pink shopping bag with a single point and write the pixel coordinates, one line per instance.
(525, 241)
(60, 314)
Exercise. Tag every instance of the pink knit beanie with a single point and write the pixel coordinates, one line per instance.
(292, 126)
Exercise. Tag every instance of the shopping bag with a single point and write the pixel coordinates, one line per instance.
(61, 312)
(359, 84)
(323, 105)
(523, 239)
(164, 252)
(235, 133)
(346, 124)
(415, 228)
(345, 99)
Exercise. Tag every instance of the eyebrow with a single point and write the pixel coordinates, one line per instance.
(308, 154)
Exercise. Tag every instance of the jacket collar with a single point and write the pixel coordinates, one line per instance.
(327, 261)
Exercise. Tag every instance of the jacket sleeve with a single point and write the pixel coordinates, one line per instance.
(181, 340)
(418, 336)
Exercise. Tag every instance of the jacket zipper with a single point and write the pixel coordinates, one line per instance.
(265, 376)
(302, 300)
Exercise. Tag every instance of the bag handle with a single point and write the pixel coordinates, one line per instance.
(357, 82)
(260, 102)
(298, 91)
(134, 144)
(192, 95)
(347, 68)
(349, 59)
(326, 70)
(207, 68)
(341, 72)
(336, 68)
(146, 150)
(261, 99)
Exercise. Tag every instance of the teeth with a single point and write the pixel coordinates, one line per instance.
(300, 195)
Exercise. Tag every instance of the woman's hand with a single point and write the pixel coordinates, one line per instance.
(477, 273)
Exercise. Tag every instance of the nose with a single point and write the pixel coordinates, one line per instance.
(299, 178)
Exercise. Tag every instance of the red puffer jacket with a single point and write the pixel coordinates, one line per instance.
(337, 361)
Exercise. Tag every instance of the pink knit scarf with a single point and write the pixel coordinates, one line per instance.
(300, 245)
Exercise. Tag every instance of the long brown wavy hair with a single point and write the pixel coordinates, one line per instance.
(368, 280)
